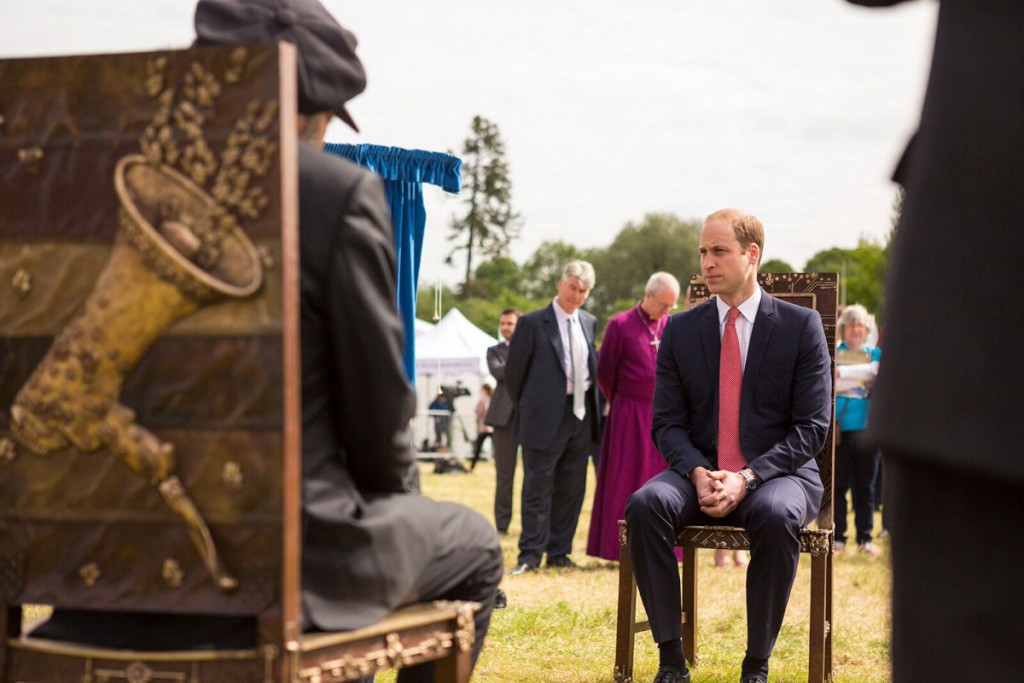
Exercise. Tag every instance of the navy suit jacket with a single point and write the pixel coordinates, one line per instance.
(786, 400)
(536, 379)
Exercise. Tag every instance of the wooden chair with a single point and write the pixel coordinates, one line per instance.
(149, 371)
(814, 290)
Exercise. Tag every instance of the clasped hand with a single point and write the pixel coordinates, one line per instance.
(718, 491)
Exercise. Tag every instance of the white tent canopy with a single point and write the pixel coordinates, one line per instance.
(454, 347)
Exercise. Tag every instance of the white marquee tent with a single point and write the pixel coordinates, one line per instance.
(454, 347)
(453, 352)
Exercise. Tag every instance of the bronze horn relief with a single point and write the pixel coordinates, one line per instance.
(149, 282)
(178, 248)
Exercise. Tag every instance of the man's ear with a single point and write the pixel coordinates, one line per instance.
(755, 254)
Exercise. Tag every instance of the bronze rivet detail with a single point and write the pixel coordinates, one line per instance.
(30, 157)
(172, 572)
(233, 477)
(90, 574)
(7, 450)
(22, 282)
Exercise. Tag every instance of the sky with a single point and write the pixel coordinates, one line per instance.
(794, 110)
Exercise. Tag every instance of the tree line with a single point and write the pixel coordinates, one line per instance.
(659, 241)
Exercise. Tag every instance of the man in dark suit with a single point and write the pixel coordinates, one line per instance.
(371, 542)
(950, 425)
(552, 376)
(742, 405)
(501, 416)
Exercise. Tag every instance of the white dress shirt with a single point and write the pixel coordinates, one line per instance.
(563, 329)
(744, 323)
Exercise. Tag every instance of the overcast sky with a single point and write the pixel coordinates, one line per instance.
(795, 110)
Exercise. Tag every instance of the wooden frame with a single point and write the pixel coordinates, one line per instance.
(814, 290)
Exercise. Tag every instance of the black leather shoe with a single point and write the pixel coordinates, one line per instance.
(754, 678)
(561, 562)
(522, 568)
(500, 600)
(667, 674)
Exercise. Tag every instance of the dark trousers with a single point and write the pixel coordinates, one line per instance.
(957, 575)
(467, 565)
(505, 452)
(554, 483)
(857, 469)
(772, 516)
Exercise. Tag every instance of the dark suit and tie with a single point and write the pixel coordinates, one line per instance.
(767, 481)
(501, 416)
(557, 420)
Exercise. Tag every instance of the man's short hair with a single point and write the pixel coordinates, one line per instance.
(746, 226)
(511, 311)
(657, 283)
(582, 271)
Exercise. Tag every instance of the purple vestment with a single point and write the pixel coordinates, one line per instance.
(625, 372)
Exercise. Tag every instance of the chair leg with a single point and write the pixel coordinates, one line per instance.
(625, 628)
(689, 600)
(819, 623)
(455, 668)
(829, 672)
(7, 615)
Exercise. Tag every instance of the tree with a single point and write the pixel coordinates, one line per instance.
(493, 277)
(776, 265)
(861, 271)
(661, 241)
(542, 270)
(489, 224)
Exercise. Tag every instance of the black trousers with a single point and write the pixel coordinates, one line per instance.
(957, 575)
(467, 565)
(505, 456)
(554, 483)
(857, 469)
(772, 516)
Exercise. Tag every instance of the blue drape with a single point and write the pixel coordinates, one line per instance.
(404, 171)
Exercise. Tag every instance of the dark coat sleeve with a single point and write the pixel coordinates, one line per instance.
(372, 400)
(673, 409)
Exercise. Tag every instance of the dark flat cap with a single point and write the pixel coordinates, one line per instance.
(330, 73)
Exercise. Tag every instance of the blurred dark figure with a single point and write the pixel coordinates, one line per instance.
(950, 425)
(441, 414)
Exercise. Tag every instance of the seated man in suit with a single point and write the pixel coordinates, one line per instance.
(742, 405)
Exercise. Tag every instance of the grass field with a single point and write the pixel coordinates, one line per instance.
(560, 624)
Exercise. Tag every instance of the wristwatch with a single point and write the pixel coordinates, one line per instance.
(751, 480)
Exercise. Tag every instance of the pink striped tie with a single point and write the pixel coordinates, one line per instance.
(730, 383)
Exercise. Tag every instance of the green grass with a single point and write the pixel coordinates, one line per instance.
(560, 624)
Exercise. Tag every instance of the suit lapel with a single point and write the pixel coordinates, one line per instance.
(764, 323)
(712, 339)
(554, 336)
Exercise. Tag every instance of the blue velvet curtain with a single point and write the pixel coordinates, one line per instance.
(404, 171)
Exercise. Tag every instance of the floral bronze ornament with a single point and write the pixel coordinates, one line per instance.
(178, 248)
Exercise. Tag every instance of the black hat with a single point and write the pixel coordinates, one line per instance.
(330, 74)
